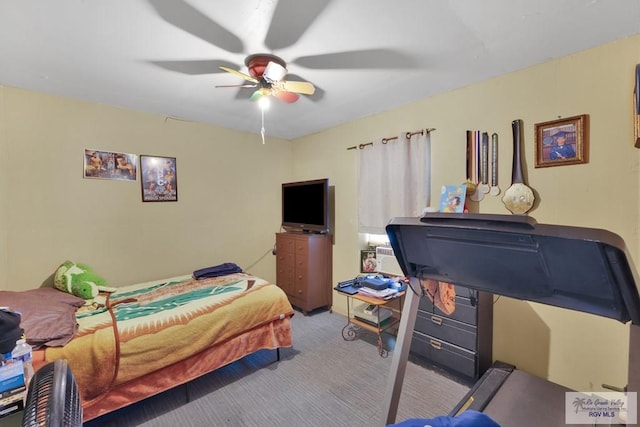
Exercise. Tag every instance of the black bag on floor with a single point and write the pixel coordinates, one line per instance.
(10, 330)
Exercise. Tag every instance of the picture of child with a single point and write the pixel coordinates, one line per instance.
(368, 262)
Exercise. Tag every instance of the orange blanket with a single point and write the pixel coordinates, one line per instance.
(160, 323)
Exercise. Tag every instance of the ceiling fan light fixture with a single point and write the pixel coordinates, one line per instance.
(267, 73)
(264, 103)
(274, 72)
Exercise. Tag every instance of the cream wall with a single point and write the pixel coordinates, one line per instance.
(229, 192)
(228, 206)
(577, 350)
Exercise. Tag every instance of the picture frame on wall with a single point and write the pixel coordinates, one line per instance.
(100, 164)
(368, 261)
(562, 142)
(452, 198)
(159, 179)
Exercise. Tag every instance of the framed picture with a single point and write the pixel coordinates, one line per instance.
(452, 198)
(562, 142)
(159, 179)
(368, 261)
(110, 165)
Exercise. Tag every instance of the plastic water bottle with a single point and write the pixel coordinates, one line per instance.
(24, 353)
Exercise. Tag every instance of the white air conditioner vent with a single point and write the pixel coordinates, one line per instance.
(386, 261)
(384, 250)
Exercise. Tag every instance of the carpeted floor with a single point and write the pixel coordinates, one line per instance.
(322, 381)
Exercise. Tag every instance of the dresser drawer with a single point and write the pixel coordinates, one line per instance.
(464, 312)
(284, 245)
(302, 248)
(447, 329)
(449, 356)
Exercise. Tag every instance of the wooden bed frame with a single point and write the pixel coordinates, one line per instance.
(274, 335)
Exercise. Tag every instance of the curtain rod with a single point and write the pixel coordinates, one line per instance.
(391, 138)
(407, 135)
(361, 146)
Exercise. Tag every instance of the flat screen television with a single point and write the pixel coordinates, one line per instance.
(305, 206)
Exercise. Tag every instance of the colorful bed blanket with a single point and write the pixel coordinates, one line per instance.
(148, 326)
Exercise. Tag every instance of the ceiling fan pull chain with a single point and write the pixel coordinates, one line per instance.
(262, 128)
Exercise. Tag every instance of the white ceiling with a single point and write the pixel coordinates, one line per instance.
(363, 56)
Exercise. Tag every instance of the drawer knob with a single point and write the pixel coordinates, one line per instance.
(436, 344)
(437, 320)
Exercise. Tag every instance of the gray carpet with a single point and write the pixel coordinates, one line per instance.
(322, 381)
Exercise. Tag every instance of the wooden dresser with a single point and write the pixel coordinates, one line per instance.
(304, 265)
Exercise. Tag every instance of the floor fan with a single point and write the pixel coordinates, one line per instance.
(53, 399)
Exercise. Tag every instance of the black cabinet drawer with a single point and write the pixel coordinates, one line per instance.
(464, 312)
(449, 356)
(447, 329)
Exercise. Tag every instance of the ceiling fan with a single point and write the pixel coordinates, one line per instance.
(289, 22)
(266, 74)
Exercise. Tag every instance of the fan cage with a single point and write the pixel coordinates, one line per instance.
(53, 399)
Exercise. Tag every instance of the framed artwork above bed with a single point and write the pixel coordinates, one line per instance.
(110, 165)
(159, 179)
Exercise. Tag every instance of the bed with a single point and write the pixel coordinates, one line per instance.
(149, 337)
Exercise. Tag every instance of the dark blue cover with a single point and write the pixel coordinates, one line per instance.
(469, 418)
(217, 270)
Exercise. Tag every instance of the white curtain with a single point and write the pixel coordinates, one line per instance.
(393, 181)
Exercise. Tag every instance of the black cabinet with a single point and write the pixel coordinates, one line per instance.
(459, 342)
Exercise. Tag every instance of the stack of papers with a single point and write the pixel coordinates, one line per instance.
(382, 293)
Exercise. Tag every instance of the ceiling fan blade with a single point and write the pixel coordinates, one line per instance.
(304, 88)
(289, 97)
(184, 16)
(317, 95)
(194, 67)
(358, 59)
(239, 74)
(247, 85)
(290, 20)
